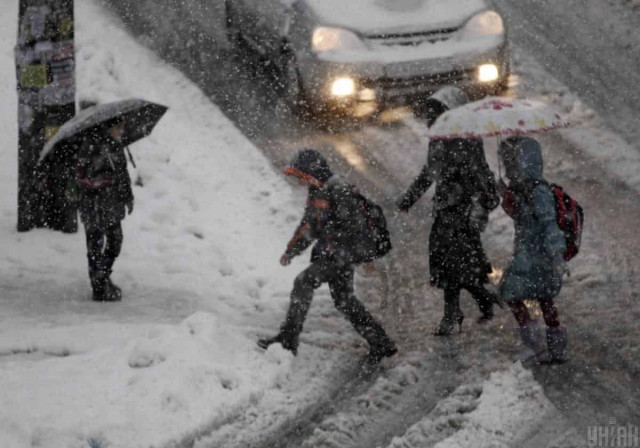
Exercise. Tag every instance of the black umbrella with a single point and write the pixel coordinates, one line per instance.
(140, 118)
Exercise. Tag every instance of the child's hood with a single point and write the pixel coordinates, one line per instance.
(309, 163)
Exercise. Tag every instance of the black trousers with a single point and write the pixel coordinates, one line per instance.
(480, 294)
(340, 279)
(103, 247)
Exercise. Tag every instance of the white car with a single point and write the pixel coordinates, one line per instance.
(358, 54)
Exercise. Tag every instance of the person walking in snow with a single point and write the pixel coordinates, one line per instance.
(465, 193)
(328, 217)
(104, 194)
(537, 267)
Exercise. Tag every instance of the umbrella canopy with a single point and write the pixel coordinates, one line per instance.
(139, 115)
(494, 117)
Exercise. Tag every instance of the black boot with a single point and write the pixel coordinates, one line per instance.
(113, 292)
(446, 324)
(486, 317)
(378, 351)
(99, 286)
(485, 300)
(380, 344)
(452, 313)
(287, 343)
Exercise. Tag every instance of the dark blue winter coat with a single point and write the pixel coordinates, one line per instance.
(539, 243)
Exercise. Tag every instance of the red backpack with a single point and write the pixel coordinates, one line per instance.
(570, 219)
(569, 216)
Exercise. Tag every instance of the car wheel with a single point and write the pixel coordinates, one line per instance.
(234, 35)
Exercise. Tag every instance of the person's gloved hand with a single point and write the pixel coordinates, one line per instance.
(478, 216)
(285, 260)
(130, 206)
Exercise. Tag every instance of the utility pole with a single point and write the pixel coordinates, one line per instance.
(45, 69)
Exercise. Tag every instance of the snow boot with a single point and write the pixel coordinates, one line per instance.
(99, 286)
(113, 292)
(532, 338)
(446, 325)
(557, 344)
(377, 352)
(287, 343)
(486, 317)
(452, 315)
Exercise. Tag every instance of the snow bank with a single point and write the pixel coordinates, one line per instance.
(198, 270)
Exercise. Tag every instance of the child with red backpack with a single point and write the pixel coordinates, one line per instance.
(542, 247)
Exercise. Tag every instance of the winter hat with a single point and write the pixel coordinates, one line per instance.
(309, 163)
(443, 100)
(433, 109)
(450, 97)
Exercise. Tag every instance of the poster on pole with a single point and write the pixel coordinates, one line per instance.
(45, 74)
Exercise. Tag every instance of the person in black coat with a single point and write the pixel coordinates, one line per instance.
(329, 215)
(104, 194)
(465, 193)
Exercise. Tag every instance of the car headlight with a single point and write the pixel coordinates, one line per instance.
(343, 87)
(333, 39)
(488, 73)
(484, 24)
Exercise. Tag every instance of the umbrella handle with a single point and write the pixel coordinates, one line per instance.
(113, 167)
(134, 163)
(499, 164)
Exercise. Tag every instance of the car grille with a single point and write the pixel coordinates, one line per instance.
(390, 87)
(410, 39)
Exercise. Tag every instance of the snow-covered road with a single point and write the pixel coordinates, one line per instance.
(460, 392)
(591, 46)
(556, 60)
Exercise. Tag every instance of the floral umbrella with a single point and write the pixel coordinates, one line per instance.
(496, 117)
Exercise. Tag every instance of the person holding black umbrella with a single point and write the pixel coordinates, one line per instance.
(100, 134)
(104, 194)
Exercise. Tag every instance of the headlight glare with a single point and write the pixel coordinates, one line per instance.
(488, 73)
(343, 87)
(484, 24)
(333, 39)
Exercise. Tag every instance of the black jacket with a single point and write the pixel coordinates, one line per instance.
(465, 193)
(103, 181)
(460, 171)
(330, 217)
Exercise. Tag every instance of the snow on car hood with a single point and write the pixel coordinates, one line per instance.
(390, 16)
